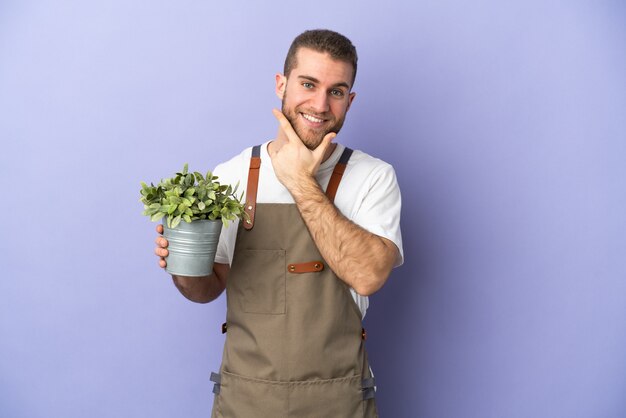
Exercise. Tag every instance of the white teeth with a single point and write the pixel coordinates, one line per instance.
(312, 118)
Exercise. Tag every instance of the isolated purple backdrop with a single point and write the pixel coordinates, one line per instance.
(506, 125)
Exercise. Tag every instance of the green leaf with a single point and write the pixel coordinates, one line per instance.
(191, 195)
(157, 216)
(187, 218)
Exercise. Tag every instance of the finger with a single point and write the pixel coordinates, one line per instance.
(286, 126)
(159, 228)
(161, 242)
(161, 252)
(320, 151)
(162, 263)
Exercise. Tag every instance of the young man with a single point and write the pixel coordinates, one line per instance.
(323, 234)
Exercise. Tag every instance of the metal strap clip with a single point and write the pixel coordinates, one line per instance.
(217, 379)
(369, 388)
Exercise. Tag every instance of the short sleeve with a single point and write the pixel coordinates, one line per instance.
(231, 172)
(226, 244)
(380, 207)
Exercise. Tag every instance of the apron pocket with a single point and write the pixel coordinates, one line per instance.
(246, 397)
(259, 281)
(242, 396)
(341, 397)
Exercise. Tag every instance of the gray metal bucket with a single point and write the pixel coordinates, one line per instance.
(192, 247)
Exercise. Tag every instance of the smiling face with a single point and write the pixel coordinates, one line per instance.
(316, 95)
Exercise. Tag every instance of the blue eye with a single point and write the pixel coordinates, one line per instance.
(307, 85)
(336, 93)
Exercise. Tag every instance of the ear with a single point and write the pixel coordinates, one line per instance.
(281, 84)
(350, 99)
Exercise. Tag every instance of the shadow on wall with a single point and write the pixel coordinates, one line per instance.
(393, 329)
(397, 313)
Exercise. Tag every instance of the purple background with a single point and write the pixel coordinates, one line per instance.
(507, 128)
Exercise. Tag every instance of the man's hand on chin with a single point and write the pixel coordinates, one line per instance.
(293, 162)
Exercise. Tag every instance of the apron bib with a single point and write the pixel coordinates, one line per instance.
(295, 343)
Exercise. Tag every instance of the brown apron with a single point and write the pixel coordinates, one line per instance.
(295, 343)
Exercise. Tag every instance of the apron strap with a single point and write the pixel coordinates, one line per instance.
(253, 181)
(253, 185)
(335, 178)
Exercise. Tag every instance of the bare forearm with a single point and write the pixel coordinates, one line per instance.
(203, 289)
(362, 259)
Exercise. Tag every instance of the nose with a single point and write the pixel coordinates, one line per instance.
(319, 102)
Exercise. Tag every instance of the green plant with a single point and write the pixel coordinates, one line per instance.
(190, 196)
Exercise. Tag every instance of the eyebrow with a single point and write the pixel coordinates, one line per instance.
(315, 80)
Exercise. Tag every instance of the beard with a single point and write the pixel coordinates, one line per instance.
(311, 138)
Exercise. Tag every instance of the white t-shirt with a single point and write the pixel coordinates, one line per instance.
(368, 195)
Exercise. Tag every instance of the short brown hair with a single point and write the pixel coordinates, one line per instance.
(322, 40)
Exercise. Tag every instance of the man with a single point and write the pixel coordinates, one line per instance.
(323, 234)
